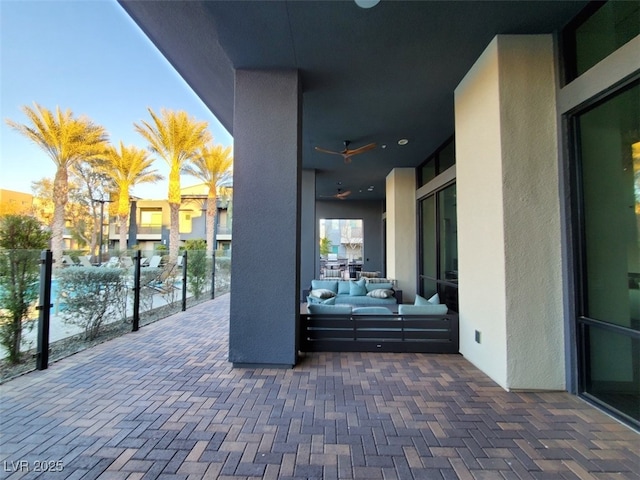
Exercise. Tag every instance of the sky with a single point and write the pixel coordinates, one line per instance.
(87, 56)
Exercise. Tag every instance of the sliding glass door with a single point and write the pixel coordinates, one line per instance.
(608, 199)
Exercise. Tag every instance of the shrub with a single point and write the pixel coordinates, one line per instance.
(147, 276)
(196, 266)
(223, 273)
(20, 238)
(92, 295)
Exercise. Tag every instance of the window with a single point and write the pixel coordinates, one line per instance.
(439, 246)
(598, 31)
(341, 245)
(441, 160)
(608, 193)
(150, 221)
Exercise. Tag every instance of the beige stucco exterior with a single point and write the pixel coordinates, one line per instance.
(509, 215)
(401, 230)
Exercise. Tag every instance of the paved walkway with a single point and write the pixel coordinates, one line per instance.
(165, 403)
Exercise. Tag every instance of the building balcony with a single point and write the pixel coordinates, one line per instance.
(144, 232)
(223, 229)
(149, 230)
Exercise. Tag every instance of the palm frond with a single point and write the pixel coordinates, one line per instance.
(212, 165)
(66, 139)
(128, 166)
(174, 136)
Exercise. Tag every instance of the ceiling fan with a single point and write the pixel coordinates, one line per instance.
(340, 195)
(346, 153)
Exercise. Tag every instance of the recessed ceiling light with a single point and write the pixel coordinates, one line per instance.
(403, 141)
(367, 3)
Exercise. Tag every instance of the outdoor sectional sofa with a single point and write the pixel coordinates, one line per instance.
(424, 327)
(363, 292)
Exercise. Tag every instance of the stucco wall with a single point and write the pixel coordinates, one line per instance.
(401, 230)
(265, 264)
(535, 329)
(509, 215)
(481, 294)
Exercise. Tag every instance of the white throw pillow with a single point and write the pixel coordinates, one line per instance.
(380, 293)
(322, 293)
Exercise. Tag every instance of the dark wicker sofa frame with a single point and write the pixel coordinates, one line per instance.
(379, 333)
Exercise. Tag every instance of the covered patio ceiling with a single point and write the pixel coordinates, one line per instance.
(368, 75)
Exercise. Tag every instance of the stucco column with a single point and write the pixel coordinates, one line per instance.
(509, 235)
(401, 230)
(265, 267)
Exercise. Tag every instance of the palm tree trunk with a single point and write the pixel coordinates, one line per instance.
(123, 215)
(211, 222)
(174, 206)
(174, 232)
(122, 233)
(60, 197)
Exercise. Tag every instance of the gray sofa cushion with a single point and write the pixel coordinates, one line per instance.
(325, 284)
(329, 309)
(344, 297)
(363, 300)
(371, 311)
(422, 309)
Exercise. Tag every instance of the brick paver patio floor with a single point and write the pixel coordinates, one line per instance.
(165, 403)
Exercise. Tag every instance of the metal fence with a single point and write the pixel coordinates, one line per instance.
(81, 304)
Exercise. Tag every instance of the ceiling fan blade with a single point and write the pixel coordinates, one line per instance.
(346, 153)
(324, 150)
(363, 149)
(340, 195)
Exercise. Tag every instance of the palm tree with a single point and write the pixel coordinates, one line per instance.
(176, 138)
(213, 166)
(68, 140)
(127, 167)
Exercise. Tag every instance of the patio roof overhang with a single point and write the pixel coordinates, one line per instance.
(368, 75)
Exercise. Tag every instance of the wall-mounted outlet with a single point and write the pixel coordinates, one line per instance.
(477, 336)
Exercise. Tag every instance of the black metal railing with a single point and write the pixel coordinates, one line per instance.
(74, 309)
